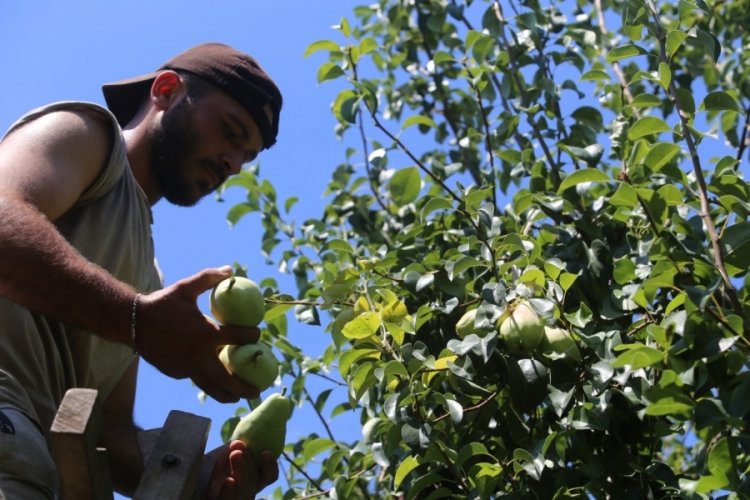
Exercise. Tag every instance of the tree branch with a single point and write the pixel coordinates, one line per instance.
(514, 73)
(487, 133)
(705, 212)
(745, 139)
(616, 65)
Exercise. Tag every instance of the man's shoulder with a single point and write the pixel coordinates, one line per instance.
(69, 117)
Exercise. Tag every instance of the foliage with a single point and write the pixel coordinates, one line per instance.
(582, 158)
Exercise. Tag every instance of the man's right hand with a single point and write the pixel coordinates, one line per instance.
(172, 334)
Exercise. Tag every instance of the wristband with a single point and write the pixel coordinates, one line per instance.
(133, 311)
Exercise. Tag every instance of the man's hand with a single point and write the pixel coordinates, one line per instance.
(236, 476)
(172, 334)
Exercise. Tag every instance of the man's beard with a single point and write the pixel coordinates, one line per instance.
(172, 145)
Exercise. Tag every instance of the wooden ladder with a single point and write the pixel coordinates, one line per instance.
(173, 455)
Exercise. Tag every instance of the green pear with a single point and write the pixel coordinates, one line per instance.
(465, 325)
(237, 301)
(521, 330)
(561, 342)
(253, 363)
(264, 428)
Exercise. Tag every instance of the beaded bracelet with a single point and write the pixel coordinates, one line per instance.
(136, 299)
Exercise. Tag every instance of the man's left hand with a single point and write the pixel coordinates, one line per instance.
(236, 474)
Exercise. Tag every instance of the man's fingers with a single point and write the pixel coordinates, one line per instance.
(237, 335)
(219, 383)
(227, 489)
(269, 467)
(201, 281)
(245, 475)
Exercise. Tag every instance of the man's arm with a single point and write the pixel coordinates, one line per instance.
(44, 167)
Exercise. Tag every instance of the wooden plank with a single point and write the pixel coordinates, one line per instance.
(173, 466)
(83, 468)
(147, 442)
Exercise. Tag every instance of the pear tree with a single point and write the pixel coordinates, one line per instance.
(586, 159)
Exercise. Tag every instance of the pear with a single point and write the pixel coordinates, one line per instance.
(264, 428)
(522, 330)
(237, 301)
(254, 363)
(562, 342)
(466, 325)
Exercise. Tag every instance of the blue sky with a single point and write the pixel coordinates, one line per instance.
(54, 51)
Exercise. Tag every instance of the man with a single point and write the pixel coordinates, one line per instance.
(80, 295)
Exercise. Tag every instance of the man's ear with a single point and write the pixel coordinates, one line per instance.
(166, 88)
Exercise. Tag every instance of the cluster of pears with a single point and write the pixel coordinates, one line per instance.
(523, 332)
(238, 301)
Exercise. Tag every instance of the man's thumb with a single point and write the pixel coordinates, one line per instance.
(203, 280)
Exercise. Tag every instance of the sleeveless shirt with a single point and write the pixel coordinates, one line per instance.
(110, 225)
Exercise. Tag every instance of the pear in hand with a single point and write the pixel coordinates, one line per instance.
(264, 428)
(253, 363)
(237, 301)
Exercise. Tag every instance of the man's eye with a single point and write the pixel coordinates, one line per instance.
(230, 134)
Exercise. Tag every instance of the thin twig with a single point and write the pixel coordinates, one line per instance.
(477, 406)
(302, 471)
(615, 65)
(450, 119)
(292, 302)
(326, 492)
(493, 76)
(487, 133)
(515, 73)
(363, 136)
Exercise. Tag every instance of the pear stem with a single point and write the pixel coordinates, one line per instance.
(231, 284)
(256, 355)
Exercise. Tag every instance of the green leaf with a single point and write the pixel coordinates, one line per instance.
(363, 326)
(567, 280)
(665, 75)
(720, 459)
(646, 101)
(736, 243)
(405, 185)
(368, 45)
(646, 126)
(314, 47)
(471, 450)
(337, 245)
(625, 196)
(353, 356)
(583, 175)
(276, 311)
(435, 203)
(329, 71)
(720, 101)
(595, 75)
(710, 43)
(405, 467)
(418, 120)
(638, 356)
(669, 405)
(361, 380)
(315, 446)
(660, 154)
(624, 52)
(237, 212)
(476, 198)
(675, 38)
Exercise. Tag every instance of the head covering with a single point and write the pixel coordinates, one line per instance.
(234, 72)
